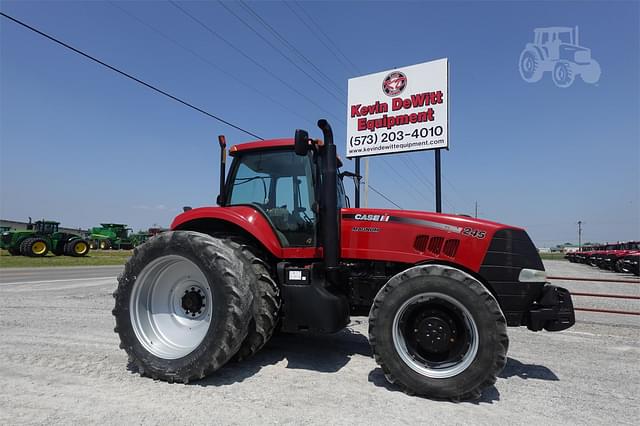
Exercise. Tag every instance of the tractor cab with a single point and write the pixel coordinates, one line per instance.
(46, 227)
(283, 186)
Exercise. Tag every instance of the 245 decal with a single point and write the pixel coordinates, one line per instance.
(474, 233)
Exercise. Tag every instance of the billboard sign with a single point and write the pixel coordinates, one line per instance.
(405, 109)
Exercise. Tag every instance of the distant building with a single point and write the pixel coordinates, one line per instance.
(567, 248)
(544, 250)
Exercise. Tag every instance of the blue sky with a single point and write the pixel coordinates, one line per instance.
(84, 145)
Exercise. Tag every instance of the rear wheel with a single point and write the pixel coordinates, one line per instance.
(437, 332)
(76, 248)
(183, 306)
(34, 247)
(530, 66)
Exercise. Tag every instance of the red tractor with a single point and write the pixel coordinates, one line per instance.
(284, 251)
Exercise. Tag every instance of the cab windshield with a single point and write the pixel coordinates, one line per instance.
(280, 185)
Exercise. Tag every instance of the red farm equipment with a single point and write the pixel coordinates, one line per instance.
(284, 250)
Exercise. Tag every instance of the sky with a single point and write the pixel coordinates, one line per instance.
(83, 145)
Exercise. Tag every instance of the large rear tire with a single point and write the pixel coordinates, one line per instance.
(530, 66)
(34, 247)
(182, 306)
(266, 302)
(438, 332)
(266, 296)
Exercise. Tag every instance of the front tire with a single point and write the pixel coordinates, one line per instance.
(34, 247)
(563, 74)
(438, 332)
(76, 248)
(182, 306)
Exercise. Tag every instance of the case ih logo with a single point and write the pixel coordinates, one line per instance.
(372, 217)
(394, 83)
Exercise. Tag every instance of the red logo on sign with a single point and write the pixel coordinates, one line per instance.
(394, 83)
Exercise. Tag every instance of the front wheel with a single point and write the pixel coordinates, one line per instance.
(183, 306)
(437, 332)
(34, 247)
(76, 248)
(563, 74)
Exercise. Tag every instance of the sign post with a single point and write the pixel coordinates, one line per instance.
(400, 110)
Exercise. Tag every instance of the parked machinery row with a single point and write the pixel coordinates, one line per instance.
(618, 257)
(118, 236)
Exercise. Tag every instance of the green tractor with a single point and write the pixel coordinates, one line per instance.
(41, 237)
(139, 237)
(110, 236)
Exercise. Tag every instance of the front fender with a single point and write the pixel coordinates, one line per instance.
(202, 219)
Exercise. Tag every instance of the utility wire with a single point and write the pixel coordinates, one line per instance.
(210, 63)
(408, 182)
(291, 46)
(277, 49)
(383, 196)
(332, 49)
(125, 74)
(255, 62)
(137, 80)
(421, 177)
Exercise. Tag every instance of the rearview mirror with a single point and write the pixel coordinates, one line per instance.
(301, 146)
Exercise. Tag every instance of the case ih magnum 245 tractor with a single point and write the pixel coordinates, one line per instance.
(284, 250)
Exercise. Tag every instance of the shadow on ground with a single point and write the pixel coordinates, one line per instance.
(490, 394)
(322, 353)
(330, 353)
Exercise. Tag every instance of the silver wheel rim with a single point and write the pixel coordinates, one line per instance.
(171, 307)
(445, 370)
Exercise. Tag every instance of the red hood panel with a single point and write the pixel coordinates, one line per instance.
(414, 236)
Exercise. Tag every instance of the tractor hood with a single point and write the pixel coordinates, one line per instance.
(415, 236)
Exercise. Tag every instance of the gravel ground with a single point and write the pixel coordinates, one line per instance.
(60, 363)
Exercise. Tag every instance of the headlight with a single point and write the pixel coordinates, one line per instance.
(532, 276)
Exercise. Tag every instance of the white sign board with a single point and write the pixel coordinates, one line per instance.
(405, 109)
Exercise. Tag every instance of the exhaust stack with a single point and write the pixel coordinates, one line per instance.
(222, 141)
(330, 213)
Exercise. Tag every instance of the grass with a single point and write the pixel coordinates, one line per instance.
(94, 258)
(552, 256)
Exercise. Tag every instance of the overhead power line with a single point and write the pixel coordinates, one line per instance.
(277, 49)
(254, 61)
(210, 63)
(333, 48)
(383, 196)
(150, 86)
(291, 47)
(129, 76)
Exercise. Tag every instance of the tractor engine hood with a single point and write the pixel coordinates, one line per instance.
(415, 236)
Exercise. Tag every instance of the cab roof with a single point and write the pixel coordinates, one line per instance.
(554, 29)
(266, 144)
(259, 145)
